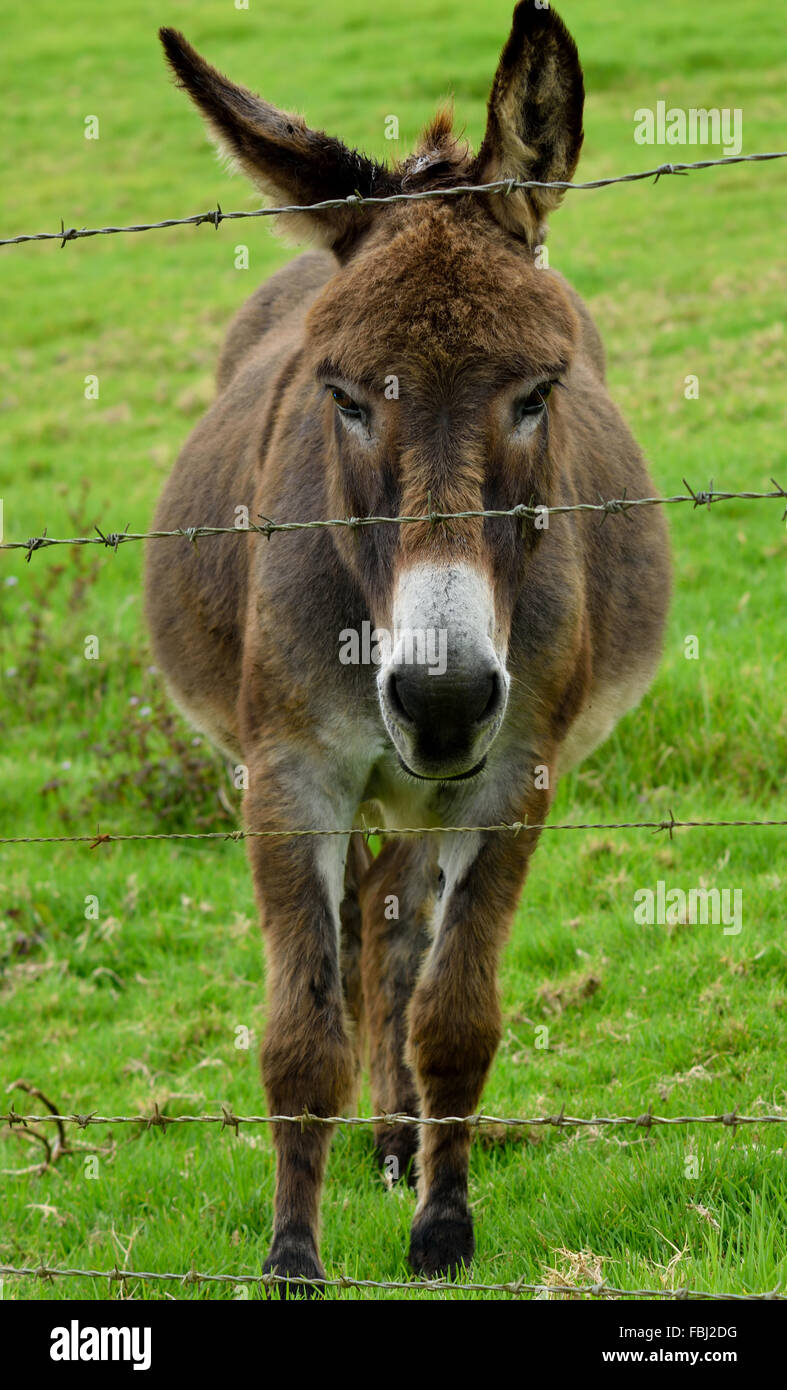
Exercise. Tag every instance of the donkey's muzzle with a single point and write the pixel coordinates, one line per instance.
(445, 719)
(444, 689)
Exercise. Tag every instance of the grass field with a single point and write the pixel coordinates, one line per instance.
(141, 1006)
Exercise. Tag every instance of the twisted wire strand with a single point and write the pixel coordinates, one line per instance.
(505, 186)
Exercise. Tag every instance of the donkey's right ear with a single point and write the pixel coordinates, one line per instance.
(288, 161)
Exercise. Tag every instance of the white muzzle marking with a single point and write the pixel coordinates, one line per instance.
(442, 684)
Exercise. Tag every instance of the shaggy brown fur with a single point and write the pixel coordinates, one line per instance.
(447, 297)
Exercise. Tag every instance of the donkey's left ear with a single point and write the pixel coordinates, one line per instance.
(534, 122)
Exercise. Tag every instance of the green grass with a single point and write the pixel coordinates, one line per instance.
(141, 1006)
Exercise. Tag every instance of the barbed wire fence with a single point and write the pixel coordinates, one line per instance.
(522, 511)
(513, 827)
(356, 200)
(227, 1118)
(516, 1288)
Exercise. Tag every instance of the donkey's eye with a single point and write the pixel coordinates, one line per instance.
(345, 403)
(534, 403)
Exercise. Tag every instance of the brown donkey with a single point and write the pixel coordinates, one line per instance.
(447, 672)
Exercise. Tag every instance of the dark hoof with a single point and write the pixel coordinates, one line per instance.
(293, 1259)
(441, 1245)
(395, 1150)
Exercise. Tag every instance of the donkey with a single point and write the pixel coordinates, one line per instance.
(423, 360)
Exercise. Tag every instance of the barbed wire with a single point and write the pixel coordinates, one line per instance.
(344, 1281)
(227, 1119)
(506, 186)
(522, 511)
(514, 827)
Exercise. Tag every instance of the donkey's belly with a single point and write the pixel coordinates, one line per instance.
(217, 721)
(608, 702)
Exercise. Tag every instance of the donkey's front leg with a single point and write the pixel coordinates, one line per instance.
(455, 1026)
(308, 1058)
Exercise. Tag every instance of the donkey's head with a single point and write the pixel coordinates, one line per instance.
(431, 356)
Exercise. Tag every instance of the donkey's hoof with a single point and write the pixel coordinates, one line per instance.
(293, 1259)
(395, 1151)
(441, 1245)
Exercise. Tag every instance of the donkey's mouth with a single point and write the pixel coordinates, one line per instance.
(445, 777)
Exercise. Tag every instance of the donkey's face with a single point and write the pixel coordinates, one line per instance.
(436, 350)
(434, 356)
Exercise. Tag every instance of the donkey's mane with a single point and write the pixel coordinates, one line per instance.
(440, 159)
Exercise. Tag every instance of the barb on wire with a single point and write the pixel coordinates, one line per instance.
(617, 506)
(344, 1281)
(215, 216)
(227, 1119)
(514, 827)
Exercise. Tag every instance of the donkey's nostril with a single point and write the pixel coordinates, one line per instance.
(394, 695)
(493, 702)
